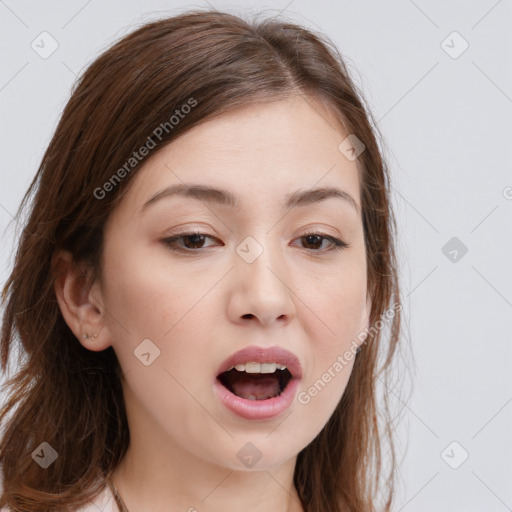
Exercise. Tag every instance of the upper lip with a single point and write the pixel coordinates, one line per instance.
(256, 354)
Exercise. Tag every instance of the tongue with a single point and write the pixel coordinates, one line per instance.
(256, 386)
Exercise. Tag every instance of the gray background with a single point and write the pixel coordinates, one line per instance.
(446, 120)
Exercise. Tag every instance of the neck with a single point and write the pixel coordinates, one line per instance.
(209, 488)
(159, 471)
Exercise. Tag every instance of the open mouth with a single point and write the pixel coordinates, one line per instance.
(255, 385)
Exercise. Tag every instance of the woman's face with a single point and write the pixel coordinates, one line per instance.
(176, 310)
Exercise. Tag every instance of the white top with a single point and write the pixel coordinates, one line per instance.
(103, 502)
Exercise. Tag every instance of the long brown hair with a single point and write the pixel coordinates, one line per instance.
(70, 397)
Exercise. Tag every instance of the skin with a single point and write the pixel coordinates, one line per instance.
(200, 308)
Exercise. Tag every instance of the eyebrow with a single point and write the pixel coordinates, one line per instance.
(227, 198)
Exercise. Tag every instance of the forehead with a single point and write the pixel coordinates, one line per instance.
(262, 152)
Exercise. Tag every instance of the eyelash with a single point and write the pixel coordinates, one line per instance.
(338, 244)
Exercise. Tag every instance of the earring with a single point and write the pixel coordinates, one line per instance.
(87, 337)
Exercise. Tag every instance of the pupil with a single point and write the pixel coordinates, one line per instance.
(319, 239)
(195, 241)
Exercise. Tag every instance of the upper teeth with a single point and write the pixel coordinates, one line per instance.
(252, 367)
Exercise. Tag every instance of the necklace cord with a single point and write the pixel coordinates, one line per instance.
(119, 501)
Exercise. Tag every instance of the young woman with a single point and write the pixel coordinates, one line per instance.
(201, 288)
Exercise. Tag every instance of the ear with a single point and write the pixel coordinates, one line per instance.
(80, 302)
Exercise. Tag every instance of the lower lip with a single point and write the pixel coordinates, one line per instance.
(257, 409)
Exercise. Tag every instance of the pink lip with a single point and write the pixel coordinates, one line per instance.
(260, 409)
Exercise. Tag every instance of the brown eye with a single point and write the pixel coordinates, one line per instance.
(192, 242)
(314, 241)
(195, 241)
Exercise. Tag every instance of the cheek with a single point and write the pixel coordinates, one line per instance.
(146, 296)
(340, 316)
(338, 302)
(333, 351)
(150, 297)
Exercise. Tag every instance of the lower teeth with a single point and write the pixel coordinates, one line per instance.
(253, 397)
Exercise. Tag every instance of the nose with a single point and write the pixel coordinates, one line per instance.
(261, 291)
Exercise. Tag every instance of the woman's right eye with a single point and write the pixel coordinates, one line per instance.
(191, 241)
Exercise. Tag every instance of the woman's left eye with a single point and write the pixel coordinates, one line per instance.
(193, 241)
(319, 238)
